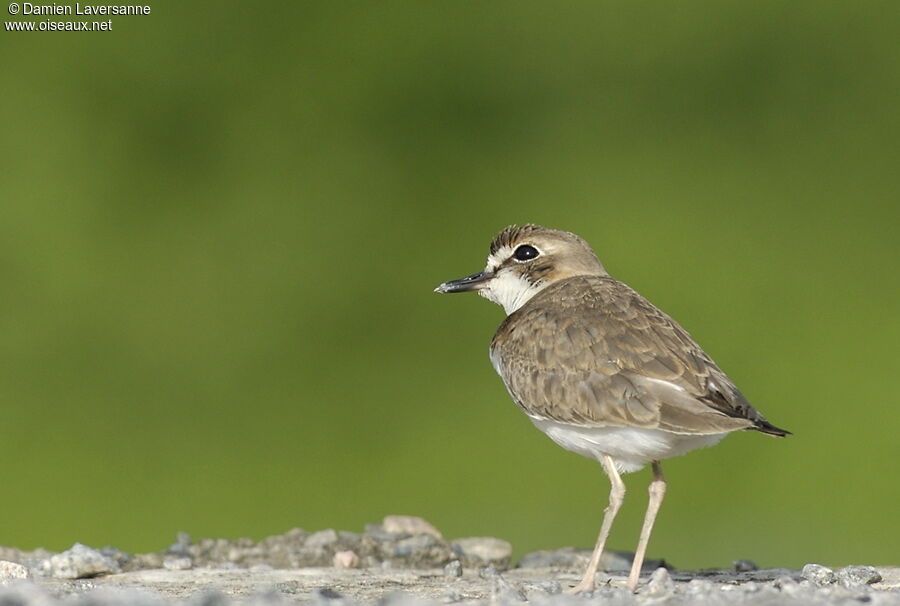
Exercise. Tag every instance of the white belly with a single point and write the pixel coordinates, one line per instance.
(630, 447)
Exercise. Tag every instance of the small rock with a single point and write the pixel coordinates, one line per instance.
(11, 571)
(453, 570)
(419, 551)
(122, 558)
(567, 558)
(345, 559)
(745, 566)
(328, 593)
(540, 589)
(857, 576)
(409, 525)
(660, 583)
(818, 574)
(321, 539)
(182, 545)
(481, 551)
(144, 561)
(504, 591)
(78, 562)
(288, 587)
(178, 563)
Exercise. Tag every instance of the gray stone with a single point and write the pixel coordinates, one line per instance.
(78, 562)
(539, 589)
(328, 593)
(410, 525)
(182, 545)
(483, 551)
(745, 566)
(660, 583)
(858, 576)
(504, 591)
(453, 570)
(818, 574)
(567, 558)
(323, 538)
(420, 551)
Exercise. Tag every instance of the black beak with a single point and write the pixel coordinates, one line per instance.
(469, 283)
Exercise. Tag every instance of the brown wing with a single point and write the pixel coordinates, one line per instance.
(592, 351)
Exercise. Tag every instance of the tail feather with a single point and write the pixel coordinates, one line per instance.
(763, 426)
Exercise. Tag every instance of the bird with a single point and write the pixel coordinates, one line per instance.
(601, 370)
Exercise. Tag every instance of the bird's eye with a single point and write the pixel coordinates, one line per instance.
(525, 252)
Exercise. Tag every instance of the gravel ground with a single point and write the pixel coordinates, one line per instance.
(403, 561)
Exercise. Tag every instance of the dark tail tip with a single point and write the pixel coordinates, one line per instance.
(765, 427)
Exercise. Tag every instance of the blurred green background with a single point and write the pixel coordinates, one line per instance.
(221, 225)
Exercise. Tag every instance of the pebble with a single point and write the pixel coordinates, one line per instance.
(483, 551)
(409, 525)
(745, 566)
(818, 574)
(78, 562)
(565, 558)
(541, 589)
(421, 551)
(178, 563)
(660, 583)
(11, 571)
(321, 539)
(453, 570)
(858, 576)
(504, 591)
(182, 545)
(345, 559)
(447, 569)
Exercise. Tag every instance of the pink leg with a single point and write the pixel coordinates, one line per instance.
(616, 496)
(657, 492)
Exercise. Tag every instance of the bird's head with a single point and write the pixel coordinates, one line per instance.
(525, 260)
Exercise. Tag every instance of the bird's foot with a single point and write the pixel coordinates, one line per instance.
(586, 585)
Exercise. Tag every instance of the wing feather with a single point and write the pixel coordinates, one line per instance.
(590, 350)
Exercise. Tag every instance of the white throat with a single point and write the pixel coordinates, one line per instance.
(510, 292)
